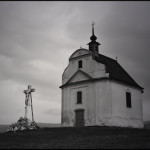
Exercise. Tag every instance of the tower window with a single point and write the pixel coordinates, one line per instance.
(128, 99)
(96, 48)
(90, 47)
(80, 64)
(79, 97)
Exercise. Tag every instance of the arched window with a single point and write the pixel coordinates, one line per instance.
(96, 48)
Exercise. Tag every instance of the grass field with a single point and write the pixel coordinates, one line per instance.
(71, 138)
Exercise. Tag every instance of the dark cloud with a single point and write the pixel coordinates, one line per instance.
(37, 38)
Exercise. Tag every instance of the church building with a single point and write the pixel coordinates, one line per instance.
(97, 91)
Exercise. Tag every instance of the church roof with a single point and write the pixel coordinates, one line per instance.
(116, 71)
(93, 42)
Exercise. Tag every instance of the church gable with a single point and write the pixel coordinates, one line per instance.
(79, 52)
(79, 76)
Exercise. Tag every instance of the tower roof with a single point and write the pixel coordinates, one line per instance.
(93, 38)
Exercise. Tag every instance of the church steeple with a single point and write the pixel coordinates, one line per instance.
(93, 45)
(93, 37)
(93, 28)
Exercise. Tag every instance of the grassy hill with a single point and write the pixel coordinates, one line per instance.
(71, 138)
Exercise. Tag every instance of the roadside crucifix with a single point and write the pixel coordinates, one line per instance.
(28, 101)
(24, 122)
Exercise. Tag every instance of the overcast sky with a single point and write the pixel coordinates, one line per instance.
(37, 38)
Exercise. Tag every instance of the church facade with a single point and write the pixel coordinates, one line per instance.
(97, 91)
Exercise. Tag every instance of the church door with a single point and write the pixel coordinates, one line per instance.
(79, 118)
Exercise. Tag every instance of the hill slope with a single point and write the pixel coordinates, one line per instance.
(87, 137)
(3, 128)
(147, 124)
(48, 125)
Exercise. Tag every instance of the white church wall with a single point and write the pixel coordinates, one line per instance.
(121, 114)
(103, 103)
(94, 69)
(73, 64)
(96, 103)
(69, 71)
(79, 77)
(73, 100)
(64, 109)
(88, 104)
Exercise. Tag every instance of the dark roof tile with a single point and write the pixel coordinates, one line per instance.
(115, 70)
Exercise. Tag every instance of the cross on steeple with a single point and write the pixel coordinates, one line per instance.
(93, 24)
(93, 27)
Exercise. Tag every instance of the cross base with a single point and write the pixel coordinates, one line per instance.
(23, 124)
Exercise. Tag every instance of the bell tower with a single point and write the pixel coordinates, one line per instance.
(93, 45)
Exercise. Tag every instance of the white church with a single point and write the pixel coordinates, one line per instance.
(97, 91)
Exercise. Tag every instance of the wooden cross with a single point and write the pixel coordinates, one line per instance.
(29, 96)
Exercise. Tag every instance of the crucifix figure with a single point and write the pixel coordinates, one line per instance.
(28, 100)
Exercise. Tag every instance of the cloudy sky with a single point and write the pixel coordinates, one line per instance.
(37, 38)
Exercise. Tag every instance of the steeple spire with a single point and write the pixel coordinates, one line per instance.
(93, 45)
(93, 37)
(93, 28)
